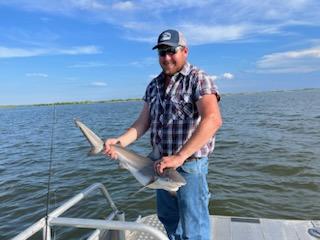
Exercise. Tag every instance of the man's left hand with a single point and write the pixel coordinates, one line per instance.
(173, 161)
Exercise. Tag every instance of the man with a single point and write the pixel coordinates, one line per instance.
(181, 110)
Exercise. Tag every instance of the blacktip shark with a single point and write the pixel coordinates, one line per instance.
(140, 167)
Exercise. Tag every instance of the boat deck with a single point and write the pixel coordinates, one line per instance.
(114, 227)
(235, 228)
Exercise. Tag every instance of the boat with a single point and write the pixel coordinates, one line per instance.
(115, 227)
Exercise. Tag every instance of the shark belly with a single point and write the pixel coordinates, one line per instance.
(144, 176)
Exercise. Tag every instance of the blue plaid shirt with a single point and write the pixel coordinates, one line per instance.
(173, 112)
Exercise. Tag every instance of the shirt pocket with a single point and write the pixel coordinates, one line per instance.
(183, 107)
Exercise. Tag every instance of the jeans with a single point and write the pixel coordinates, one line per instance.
(186, 215)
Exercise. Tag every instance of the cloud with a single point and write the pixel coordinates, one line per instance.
(203, 21)
(206, 22)
(144, 62)
(88, 65)
(123, 6)
(20, 52)
(299, 61)
(77, 50)
(227, 76)
(87, 4)
(42, 75)
(65, 7)
(214, 77)
(99, 84)
(200, 34)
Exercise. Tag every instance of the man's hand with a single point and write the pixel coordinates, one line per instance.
(108, 149)
(173, 161)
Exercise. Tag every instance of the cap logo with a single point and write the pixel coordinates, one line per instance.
(165, 36)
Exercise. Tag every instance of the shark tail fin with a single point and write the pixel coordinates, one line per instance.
(97, 145)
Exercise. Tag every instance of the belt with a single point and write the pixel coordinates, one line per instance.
(192, 158)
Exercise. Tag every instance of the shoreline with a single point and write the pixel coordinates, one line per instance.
(138, 99)
(71, 103)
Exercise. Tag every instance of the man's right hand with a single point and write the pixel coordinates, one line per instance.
(108, 149)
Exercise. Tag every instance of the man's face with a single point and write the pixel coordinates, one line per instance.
(172, 59)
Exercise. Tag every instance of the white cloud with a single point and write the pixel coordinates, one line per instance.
(123, 6)
(206, 22)
(214, 77)
(42, 75)
(201, 34)
(88, 65)
(228, 75)
(99, 84)
(6, 52)
(202, 21)
(19, 52)
(144, 62)
(87, 4)
(303, 61)
(59, 6)
(77, 50)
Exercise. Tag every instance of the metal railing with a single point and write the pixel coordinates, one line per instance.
(121, 225)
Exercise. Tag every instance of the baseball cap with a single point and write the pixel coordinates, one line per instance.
(171, 38)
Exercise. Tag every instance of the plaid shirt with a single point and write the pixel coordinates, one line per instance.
(173, 112)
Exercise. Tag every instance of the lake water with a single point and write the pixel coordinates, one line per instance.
(266, 162)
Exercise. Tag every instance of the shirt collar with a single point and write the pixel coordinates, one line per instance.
(186, 69)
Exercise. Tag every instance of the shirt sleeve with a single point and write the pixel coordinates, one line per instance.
(205, 85)
(147, 94)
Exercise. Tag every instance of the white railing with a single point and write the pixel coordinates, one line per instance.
(121, 225)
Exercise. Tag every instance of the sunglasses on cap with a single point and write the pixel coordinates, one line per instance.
(169, 50)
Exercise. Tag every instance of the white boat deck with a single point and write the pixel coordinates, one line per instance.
(235, 228)
(114, 227)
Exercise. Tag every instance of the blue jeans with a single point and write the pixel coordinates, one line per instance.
(186, 216)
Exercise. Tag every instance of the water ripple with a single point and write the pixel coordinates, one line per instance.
(266, 161)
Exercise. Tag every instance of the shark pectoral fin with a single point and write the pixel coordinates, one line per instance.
(123, 165)
(152, 184)
(141, 189)
(155, 185)
(94, 151)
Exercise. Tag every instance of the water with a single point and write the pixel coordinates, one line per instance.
(266, 162)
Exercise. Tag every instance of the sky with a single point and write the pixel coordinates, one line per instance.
(77, 50)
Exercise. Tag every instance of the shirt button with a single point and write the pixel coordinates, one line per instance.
(161, 118)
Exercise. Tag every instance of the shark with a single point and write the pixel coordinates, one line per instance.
(140, 167)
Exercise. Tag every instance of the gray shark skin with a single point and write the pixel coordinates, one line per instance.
(139, 166)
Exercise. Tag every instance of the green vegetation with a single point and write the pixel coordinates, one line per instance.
(138, 99)
(72, 103)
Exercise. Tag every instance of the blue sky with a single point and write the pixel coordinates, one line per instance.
(73, 50)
